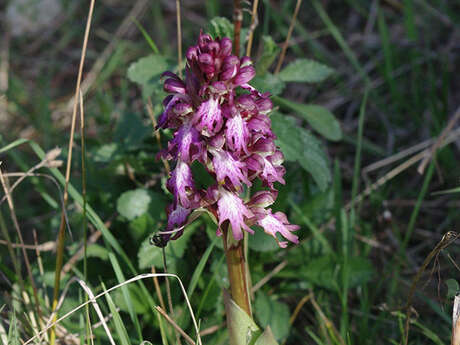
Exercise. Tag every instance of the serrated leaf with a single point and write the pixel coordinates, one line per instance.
(220, 27)
(269, 82)
(241, 327)
(305, 70)
(133, 203)
(273, 313)
(269, 54)
(299, 145)
(318, 117)
(149, 255)
(145, 69)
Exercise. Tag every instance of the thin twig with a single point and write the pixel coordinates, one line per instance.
(437, 144)
(237, 22)
(269, 276)
(288, 37)
(254, 22)
(61, 236)
(175, 325)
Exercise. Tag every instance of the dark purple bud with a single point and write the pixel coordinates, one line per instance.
(246, 102)
(203, 40)
(218, 87)
(254, 163)
(230, 61)
(263, 198)
(246, 61)
(213, 48)
(206, 63)
(192, 53)
(264, 105)
(170, 75)
(228, 73)
(229, 110)
(245, 75)
(167, 99)
(264, 145)
(218, 141)
(182, 109)
(174, 86)
(225, 46)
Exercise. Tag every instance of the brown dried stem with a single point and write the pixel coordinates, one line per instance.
(237, 22)
(288, 37)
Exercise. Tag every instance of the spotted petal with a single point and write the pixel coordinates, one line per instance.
(230, 207)
(273, 223)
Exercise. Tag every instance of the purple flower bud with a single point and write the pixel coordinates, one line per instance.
(192, 53)
(182, 109)
(203, 40)
(246, 61)
(218, 87)
(264, 145)
(174, 86)
(247, 104)
(244, 75)
(217, 141)
(225, 46)
(264, 105)
(260, 124)
(263, 199)
(206, 63)
(212, 48)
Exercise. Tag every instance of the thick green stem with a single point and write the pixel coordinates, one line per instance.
(236, 264)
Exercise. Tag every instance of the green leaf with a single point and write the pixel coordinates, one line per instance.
(262, 242)
(105, 153)
(133, 203)
(299, 145)
(266, 338)
(269, 54)
(120, 328)
(97, 251)
(147, 68)
(319, 118)
(269, 82)
(149, 255)
(242, 329)
(220, 27)
(305, 70)
(452, 287)
(273, 313)
(131, 131)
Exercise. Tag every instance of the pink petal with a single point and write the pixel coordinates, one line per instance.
(230, 207)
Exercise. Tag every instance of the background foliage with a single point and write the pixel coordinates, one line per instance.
(362, 81)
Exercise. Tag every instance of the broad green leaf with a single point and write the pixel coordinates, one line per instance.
(266, 338)
(269, 55)
(96, 251)
(305, 70)
(131, 131)
(452, 287)
(319, 118)
(220, 27)
(300, 145)
(105, 153)
(150, 255)
(133, 203)
(242, 329)
(268, 82)
(273, 313)
(147, 68)
(261, 241)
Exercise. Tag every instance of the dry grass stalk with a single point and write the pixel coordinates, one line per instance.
(254, 22)
(288, 37)
(456, 321)
(175, 325)
(61, 235)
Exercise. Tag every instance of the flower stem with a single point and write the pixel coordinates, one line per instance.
(236, 265)
(237, 21)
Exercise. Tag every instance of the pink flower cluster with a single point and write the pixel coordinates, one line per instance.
(229, 133)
